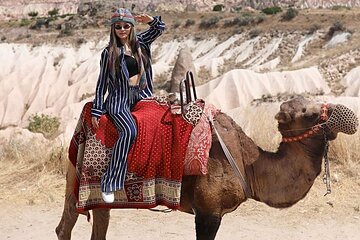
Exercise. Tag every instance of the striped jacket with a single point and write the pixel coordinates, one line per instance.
(118, 88)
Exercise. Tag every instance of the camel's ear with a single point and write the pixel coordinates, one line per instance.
(283, 117)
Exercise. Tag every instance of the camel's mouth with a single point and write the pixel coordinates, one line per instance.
(342, 119)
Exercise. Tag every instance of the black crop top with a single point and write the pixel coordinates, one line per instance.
(131, 65)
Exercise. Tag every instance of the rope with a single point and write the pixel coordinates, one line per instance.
(326, 177)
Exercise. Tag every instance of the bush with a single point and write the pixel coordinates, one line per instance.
(39, 23)
(218, 8)
(271, 10)
(176, 24)
(289, 14)
(336, 27)
(239, 21)
(340, 7)
(66, 29)
(33, 14)
(236, 9)
(54, 12)
(254, 33)
(260, 18)
(189, 22)
(313, 28)
(24, 22)
(44, 124)
(204, 75)
(209, 23)
(80, 41)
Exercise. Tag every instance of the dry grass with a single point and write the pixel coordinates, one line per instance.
(32, 171)
(344, 154)
(204, 75)
(344, 159)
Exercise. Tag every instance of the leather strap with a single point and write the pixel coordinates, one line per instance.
(232, 162)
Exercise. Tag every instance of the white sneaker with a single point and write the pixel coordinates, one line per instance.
(108, 197)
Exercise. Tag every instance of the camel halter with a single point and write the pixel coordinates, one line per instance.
(310, 132)
(342, 119)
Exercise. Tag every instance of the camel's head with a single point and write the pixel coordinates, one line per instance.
(300, 118)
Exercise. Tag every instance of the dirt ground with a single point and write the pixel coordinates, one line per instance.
(336, 216)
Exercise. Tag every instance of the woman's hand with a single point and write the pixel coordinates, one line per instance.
(95, 122)
(143, 18)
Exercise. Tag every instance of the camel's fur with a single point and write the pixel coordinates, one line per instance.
(278, 179)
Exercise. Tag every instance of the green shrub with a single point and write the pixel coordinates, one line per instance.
(176, 24)
(209, 23)
(337, 26)
(189, 22)
(67, 15)
(340, 7)
(289, 14)
(313, 28)
(260, 18)
(239, 21)
(254, 33)
(54, 12)
(39, 23)
(66, 29)
(44, 124)
(218, 8)
(33, 14)
(24, 22)
(80, 41)
(236, 9)
(271, 10)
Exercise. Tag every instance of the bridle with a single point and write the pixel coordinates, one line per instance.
(312, 131)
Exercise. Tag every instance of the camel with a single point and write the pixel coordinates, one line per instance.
(278, 179)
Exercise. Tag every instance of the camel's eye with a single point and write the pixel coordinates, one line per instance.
(303, 110)
(311, 116)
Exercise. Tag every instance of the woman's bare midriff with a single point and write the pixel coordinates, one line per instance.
(133, 80)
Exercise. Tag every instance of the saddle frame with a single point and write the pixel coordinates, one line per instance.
(189, 85)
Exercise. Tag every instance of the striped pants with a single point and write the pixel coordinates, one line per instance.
(114, 177)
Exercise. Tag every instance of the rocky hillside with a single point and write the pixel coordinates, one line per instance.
(50, 64)
(18, 9)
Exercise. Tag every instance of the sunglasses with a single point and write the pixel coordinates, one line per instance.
(124, 27)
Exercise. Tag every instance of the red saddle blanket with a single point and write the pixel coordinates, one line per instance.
(155, 161)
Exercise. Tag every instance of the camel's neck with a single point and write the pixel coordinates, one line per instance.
(283, 178)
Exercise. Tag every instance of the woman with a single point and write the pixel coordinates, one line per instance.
(126, 74)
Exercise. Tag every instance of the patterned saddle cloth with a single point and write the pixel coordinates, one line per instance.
(156, 161)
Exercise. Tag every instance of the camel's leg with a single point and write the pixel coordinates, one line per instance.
(70, 215)
(100, 224)
(206, 226)
(68, 219)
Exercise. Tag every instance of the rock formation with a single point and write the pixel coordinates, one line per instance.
(183, 64)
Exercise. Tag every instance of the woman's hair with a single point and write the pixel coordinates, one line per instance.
(114, 50)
